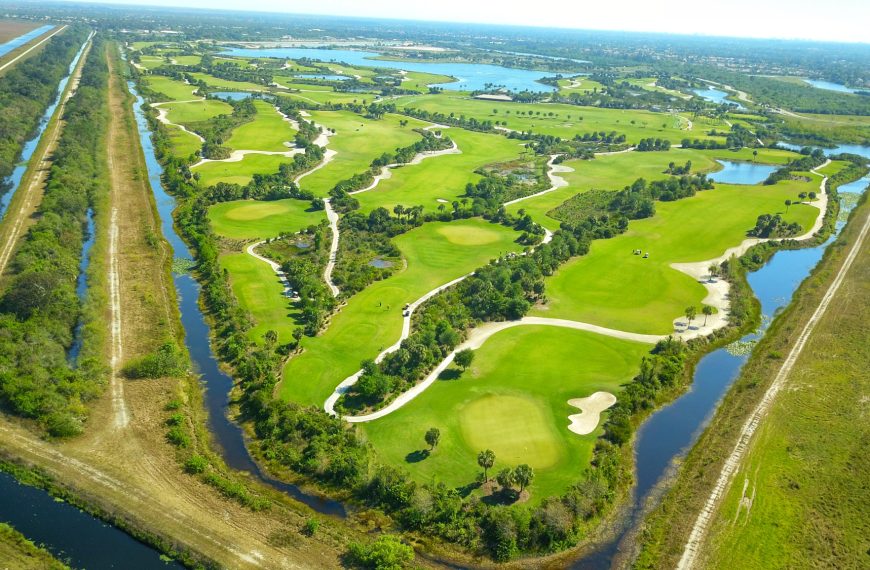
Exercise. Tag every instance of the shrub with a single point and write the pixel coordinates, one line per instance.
(385, 553)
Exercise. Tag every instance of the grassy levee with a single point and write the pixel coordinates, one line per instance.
(613, 288)
(810, 453)
(512, 403)
(253, 219)
(268, 131)
(16, 551)
(566, 119)
(358, 141)
(441, 177)
(613, 172)
(372, 319)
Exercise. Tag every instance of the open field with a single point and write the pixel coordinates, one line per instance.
(616, 171)
(613, 288)
(195, 111)
(174, 90)
(441, 177)
(357, 141)
(566, 121)
(806, 468)
(249, 219)
(268, 131)
(513, 400)
(435, 253)
(239, 172)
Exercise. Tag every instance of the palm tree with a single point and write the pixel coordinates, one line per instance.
(486, 459)
(523, 476)
(707, 310)
(690, 314)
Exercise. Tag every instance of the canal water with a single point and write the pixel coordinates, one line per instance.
(82, 285)
(470, 76)
(10, 184)
(16, 43)
(671, 431)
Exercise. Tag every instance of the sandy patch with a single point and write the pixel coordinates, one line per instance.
(590, 408)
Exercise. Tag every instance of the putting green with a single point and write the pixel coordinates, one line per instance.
(513, 400)
(250, 219)
(460, 235)
(613, 288)
(518, 429)
(372, 319)
(240, 172)
(268, 131)
(357, 141)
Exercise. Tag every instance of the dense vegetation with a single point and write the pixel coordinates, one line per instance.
(39, 309)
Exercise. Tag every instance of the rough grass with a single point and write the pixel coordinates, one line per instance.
(613, 288)
(514, 401)
(371, 320)
(250, 219)
(268, 131)
(240, 172)
(357, 141)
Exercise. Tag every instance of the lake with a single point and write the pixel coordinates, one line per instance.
(741, 172)
(469, 76)
(716, 96)
(830, 86)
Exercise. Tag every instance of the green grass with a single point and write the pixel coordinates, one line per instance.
(613, 288)
(174, 90)
(617, 171)
(442, 177)
(420, 81)
(357, 141)
(183, 143)
(514, 401)
(580, 84)
(314, 94)
(188, 59)
(566, 122)
(268, 131)
(152, 61)
(259, 292)
(240, 172)
(196, 111)
(250, 219)
(436, 253)
(833, 168)
(213, 81)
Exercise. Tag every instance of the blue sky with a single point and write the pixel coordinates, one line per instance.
(835, 20)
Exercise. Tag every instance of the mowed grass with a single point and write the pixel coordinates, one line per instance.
(566, 120)
(513, 400)
(259, 292)
(441, 177)
(183, 143)
(241, 172)
(357, 141)
(314, 94)
(834, 167)
(613, 288)
(213, 81)
(172, 89)
(268, 131)
(252, 219)
(196, 111)
(372, 319)
(807, 468)
(616, 171)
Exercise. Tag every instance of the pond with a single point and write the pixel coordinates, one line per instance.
(380, 263)
(230, 95)
(670, 432)
(323, 76)
(741, 172)
(716, 96)
(830, 86)
(16, 43)
(469, 76)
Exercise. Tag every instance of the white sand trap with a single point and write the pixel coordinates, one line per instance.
(590, 408)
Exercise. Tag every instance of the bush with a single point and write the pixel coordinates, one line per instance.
(196, 464)
(310, 527)
(168, 360)
(176, 436)
(385, 553)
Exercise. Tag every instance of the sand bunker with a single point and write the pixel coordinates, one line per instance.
(590, 411)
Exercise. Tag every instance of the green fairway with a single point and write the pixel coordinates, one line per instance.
(250, 219)
(268, 131)
(420, 81)
(372, 319)
(213, 81)
(152, 61)
(616, 171)
(183, 143)
(513, 400)
(613, 288)
(357, 141)
(565, 121)
(196, 111)
(240, 172)
(259, 292)
(833, 168)
(187, 59)
(172, 89)
(441, 177)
